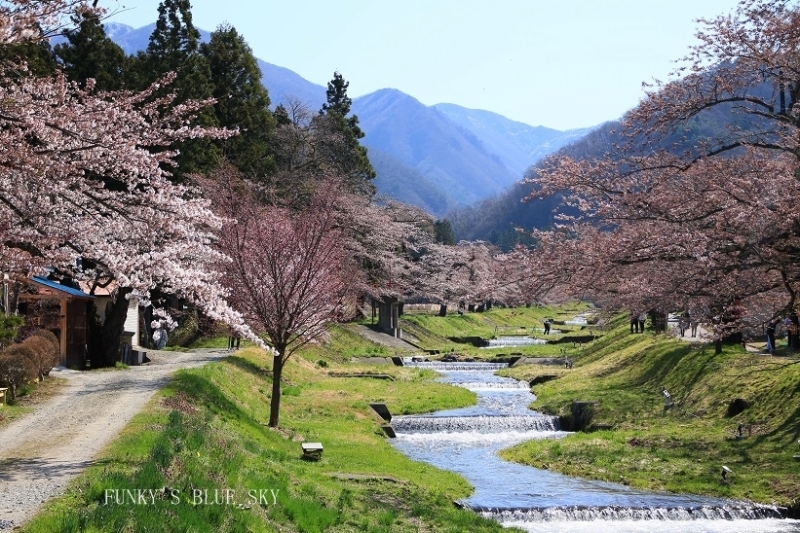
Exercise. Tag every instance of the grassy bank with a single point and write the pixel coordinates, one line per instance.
(200, 457)
(452, 333)
(684, 448)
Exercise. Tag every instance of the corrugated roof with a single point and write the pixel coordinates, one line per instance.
(77, 293)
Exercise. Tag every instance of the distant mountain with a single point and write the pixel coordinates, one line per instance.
(283, 85)
(426, 140)
(405, 184)
(497, 219)
(518, 145)
(434, 157)
(131, 40)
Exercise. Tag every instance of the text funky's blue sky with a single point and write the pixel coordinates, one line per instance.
(561, 64)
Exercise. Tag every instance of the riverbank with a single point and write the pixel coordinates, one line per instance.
(736, 409)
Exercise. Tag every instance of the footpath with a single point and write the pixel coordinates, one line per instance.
(42, 452)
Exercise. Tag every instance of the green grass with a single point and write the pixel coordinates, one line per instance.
(438, 333)
(206, 431)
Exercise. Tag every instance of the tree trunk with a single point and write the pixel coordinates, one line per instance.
(442, 310)
(111, 332)
(717, 346)
(275, 401)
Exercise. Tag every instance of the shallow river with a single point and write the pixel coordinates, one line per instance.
(467, 440)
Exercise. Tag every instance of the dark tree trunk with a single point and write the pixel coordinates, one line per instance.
(717, 346)
(442, 310)
(275, 401)
(111, 333)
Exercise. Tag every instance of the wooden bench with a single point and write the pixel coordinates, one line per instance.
(312, 450)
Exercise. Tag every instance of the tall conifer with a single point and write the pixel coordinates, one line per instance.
(174, 46)
(348, 155)
(242, 101)
(89, 53)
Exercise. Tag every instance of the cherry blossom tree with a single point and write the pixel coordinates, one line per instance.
(83, 176)
(684, 213)
(289, 273)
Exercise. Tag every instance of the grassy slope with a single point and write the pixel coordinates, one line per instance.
(435, 332)
(682, 449)
(206, 431)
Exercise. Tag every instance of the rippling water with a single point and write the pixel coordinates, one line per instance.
(467, 440)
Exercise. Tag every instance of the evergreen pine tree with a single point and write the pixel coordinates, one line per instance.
(443, 232)
(174, 46)
(348, 155)
(36, 54)
(282, 116)
(242, 101)
(89, 53)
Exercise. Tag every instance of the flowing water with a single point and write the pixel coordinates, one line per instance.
(511, 341)
(467, 440)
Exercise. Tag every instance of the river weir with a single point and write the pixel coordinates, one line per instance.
(514, 341)
(467, 441)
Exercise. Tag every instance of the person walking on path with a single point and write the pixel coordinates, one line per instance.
(683, 323)
(159, 335)
(771, 336)
(787, 327)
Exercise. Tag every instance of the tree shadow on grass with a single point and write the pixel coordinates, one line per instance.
(249, 367)
(207, 393)
(790, 426)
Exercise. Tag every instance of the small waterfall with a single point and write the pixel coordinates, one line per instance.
(513, 341)
(739, 511)
(580, 320)
(454, 367)
(498, 385)
(479, 423)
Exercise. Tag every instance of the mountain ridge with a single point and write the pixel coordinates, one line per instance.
(464, 155)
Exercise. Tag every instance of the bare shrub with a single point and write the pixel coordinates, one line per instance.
(17, 367)
(54, 353)
(42, 351)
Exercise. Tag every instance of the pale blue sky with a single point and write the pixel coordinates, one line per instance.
(558, 63)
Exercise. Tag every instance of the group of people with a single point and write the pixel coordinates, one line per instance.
(686, 321)
(637, 322)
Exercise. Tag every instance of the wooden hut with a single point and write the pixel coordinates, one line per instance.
(61, 309)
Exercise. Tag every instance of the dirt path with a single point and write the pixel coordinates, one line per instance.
(386, 340)
(42, 452)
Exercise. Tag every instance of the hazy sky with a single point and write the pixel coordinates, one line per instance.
(556, 63)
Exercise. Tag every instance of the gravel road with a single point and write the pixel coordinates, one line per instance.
(43, 451)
